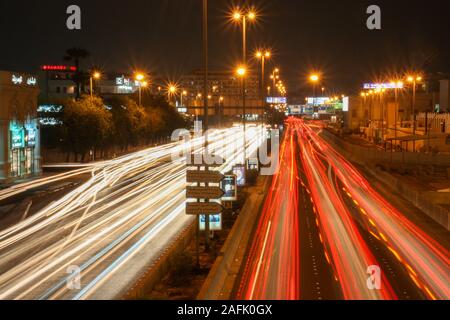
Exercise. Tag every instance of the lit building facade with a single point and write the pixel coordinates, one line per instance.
(224, 94)
(19, 129)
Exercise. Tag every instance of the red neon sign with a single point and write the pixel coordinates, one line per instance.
(58, 68)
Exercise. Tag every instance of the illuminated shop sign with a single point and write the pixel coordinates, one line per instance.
(374, 86)
(126, 84)
(58, 68)
(30, 138)
(17, 137)
(31, 81)
(276, 100)
(49, 108)
(16, 79)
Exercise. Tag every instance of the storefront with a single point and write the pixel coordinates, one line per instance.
(22, 148)
(19, 128)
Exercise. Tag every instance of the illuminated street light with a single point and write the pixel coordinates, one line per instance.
(241, 71)
(172, 89)
(244, 16)
(95, 75)
(139, 77)
(314, 78)
(414, 79)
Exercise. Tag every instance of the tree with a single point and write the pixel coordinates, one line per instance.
(87, 125)
(75, 55)
(129, 122)
(162, 113)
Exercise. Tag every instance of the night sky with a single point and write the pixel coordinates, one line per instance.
(164, 37)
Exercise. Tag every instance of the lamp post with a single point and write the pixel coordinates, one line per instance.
(414, 80)
(243, 17)
(96, 75)
(263, 56)
(172, 91)
(274, 76)
(183, 94)
(140, 77)
(221, 100)
(314, 78)
(241, 73)
(398, 85)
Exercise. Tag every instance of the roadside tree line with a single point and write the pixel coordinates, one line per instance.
(91, 127)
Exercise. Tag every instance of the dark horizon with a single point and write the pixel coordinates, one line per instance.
(328, 36)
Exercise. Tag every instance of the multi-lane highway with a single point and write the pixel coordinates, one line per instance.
(326, 233)
(110, 228)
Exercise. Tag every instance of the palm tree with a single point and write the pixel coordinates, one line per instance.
(76, 54)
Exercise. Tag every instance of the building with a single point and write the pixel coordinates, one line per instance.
(19, 129)
(56, 82)
(224, 94)
(387, 116)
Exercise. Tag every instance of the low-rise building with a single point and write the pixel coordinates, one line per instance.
(19, 128)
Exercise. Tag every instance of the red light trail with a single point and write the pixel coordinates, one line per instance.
(347, 209)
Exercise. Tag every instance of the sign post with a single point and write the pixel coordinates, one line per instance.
(206, 193)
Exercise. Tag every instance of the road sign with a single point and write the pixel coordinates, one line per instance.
(194, 176)
(203, 161)
(229, 186)
(215, 222)
(204, 192)
(239, 172)
(203, 208)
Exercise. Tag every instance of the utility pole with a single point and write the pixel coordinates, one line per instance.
(244, 109)
(205, 101)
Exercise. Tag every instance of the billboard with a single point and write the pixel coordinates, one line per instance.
(346, 103)
(215, 222)
(229, 186)
(320, 101)
(276, 100)
(374, 86)
(295, 109)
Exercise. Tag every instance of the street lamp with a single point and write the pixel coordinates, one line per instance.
(183, 94)
(243, 16)
(414, 79)
(314, 78)
(171, 91)
(140, 78)
(263, 56)
(241, 73)
(274, 76)
(95, 75)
